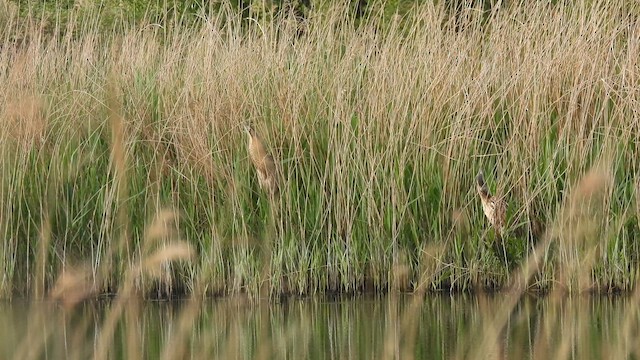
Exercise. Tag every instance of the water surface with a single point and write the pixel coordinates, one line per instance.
(436, 326)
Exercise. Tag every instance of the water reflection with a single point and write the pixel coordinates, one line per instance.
(436, 326)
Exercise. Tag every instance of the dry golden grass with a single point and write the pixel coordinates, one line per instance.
(380, 127)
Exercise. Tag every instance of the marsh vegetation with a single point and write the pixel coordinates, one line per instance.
(124, 163)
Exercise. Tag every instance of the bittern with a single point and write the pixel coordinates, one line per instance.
(495, 209)
(263, 162)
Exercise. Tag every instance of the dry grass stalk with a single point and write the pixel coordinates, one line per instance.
(41, 263)
(401, 273)
(431, 265)
(150, 263)
(73, 286)
(24, 120)
(119, 163)
(578, 229)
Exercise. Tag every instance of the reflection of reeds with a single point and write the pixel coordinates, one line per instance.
(347, 327)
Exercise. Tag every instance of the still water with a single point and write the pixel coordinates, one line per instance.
(365, 327)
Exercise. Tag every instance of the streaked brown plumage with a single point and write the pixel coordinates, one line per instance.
(263, 162)
(495, 209)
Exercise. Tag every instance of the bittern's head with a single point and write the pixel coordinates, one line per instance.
(480, 178)
(481, 185)
(248, 128)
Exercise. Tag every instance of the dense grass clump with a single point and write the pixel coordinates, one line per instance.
(379, 128)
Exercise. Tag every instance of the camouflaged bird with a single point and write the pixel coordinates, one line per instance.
(494, 209)
(263, 162)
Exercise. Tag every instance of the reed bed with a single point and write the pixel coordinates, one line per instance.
(378, 126)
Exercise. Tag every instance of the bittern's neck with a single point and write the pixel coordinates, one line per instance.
(250, 137)
(483, 191)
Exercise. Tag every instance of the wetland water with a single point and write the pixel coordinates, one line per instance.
(438, 326)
